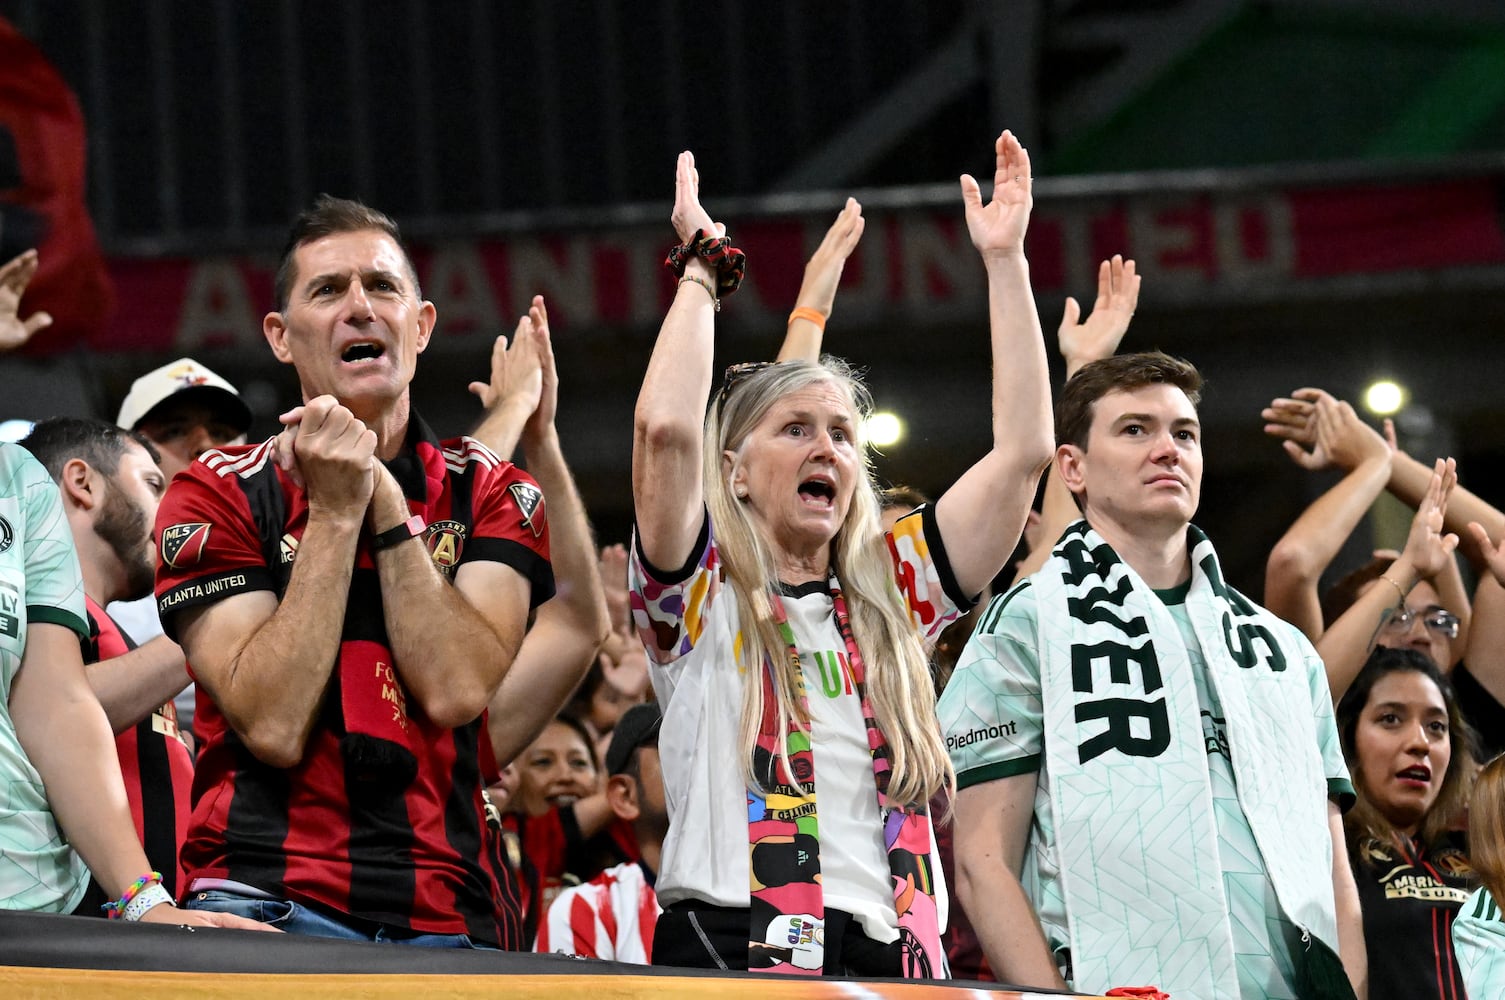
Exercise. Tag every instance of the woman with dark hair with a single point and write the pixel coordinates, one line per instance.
(1411, 757)
(787, 631)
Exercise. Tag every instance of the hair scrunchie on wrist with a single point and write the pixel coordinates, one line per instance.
(729, 262)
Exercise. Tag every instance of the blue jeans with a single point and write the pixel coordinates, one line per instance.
(295, 918)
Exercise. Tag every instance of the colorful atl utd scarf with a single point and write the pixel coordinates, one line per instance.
(787, 932)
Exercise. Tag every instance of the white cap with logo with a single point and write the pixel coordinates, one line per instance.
(182, 376)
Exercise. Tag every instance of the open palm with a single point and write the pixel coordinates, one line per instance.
(997, 228)
(14, 277)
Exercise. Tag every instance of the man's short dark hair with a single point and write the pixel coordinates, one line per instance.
(58, 440)
(900, 495)
(326, 217)
(1120, 373)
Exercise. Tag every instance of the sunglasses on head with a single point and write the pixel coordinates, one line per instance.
(735, 375)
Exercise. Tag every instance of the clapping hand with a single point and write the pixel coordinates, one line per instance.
(1097, 337)
(1319, 431)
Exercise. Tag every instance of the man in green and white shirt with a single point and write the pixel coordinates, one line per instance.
(1130, 455)
(41, 591)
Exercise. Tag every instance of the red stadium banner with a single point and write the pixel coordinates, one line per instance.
(914, 265)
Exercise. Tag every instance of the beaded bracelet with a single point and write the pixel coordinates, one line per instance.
(152, 895)
(115, 909)
(715, 302)
(729, 262)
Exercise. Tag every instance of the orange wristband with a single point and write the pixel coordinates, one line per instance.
(813, 315)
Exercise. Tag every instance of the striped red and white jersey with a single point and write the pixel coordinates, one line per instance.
(610, 917)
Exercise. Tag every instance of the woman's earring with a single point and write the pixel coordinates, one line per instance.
(741, 493)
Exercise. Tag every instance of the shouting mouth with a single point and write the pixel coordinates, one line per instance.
(817, 492)
(362, 352)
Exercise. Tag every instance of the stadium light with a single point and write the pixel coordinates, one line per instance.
(1384, 397)
(883, 429)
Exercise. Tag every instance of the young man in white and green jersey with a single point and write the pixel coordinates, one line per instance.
(1092, 823)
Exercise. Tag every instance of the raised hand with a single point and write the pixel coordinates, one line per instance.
(1098, 336)
(548, 376)
(1427, 547)
(1348, 441)
(1319, 431)
(1293, 420)
(14, 277)
(623, 661)
(1494, 555)
(688, 216)
(516, 369)
(823, 270)
(997, 228)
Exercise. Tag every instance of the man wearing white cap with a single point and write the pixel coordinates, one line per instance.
(183, 409)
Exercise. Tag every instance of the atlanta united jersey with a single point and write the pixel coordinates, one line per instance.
(404, 853)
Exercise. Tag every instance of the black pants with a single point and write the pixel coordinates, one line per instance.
(696, 935)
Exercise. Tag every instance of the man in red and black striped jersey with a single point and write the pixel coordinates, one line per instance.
(110, 485)
(349, 596)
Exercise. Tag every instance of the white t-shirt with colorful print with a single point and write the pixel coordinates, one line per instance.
(690, 633)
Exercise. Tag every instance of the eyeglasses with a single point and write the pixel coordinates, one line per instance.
(1443, 623)
(735, 375)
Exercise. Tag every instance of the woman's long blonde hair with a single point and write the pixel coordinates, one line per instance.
(898, 677)
(1486, 828)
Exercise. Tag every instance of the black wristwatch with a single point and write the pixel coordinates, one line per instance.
(411, 528)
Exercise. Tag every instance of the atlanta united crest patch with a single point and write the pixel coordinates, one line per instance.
(445, 541)
(529, 500)
(183, 544)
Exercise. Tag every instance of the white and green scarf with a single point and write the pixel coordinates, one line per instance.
(1127, 770)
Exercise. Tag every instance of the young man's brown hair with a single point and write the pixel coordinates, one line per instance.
(1120, 373)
